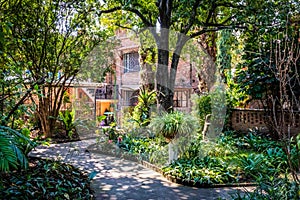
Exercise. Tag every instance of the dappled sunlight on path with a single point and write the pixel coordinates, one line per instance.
(117, 178)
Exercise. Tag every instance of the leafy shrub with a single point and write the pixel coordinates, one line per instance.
(153, 150)
(239, 152)
(270, 187)
(171, 124)
(253, 163)
(201, 108)
(231, 158)
(258, 142)
(46, 179)
(126, 120)
(67, 118)
(13, 149)
(204, 171)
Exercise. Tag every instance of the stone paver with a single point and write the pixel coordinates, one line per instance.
(122, 179)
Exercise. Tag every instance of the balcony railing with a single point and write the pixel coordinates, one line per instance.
(105, 92)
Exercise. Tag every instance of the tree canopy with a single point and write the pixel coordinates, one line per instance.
(44, 45)
(255, 76)
(189, 19)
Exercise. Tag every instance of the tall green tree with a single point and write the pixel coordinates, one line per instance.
(270, 72)
(188, 18)
(46, 42)
(254, 75)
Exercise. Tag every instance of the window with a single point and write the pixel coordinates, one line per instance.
(180, 99)
(131, 62)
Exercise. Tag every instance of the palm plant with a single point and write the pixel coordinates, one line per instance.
(141, 113)
(13, 149)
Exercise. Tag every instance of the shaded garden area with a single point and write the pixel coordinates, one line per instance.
(245, 54)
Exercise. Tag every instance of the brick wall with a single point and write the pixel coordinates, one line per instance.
(245, 119)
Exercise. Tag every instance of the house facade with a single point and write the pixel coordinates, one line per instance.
(120, 89)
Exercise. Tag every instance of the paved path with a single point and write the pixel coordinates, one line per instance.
(121, 179)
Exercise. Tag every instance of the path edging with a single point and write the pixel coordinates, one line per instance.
(92, 148)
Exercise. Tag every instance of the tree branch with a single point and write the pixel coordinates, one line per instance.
(141, 16)
(192, 18)
(109, 10)
(214, 29)
(39, 82)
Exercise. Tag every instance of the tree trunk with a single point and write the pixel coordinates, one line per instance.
(165, 96)
(43, 116)
(49, 106)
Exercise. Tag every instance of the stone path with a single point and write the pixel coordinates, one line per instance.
(122, 179)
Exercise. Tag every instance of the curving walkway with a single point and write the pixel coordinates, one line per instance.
(122, 179)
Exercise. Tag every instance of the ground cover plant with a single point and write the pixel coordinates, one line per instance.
(232, 158)
(28, 178)
(45, 179)
(153, 150)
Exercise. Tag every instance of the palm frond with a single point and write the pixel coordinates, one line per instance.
(13, 149)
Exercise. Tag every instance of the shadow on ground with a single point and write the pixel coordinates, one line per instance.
(116, 178)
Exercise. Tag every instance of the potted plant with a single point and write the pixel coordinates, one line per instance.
(173, 126)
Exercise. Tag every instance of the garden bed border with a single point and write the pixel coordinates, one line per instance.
(120, 154)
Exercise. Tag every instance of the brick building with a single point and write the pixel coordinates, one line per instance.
(121, 88)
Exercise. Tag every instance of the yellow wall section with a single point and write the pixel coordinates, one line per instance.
(103, 105)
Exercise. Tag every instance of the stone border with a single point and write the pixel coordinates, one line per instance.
(120, 154)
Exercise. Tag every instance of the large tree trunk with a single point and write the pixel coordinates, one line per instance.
(206, 77)
(164, 95)
(44, 116)
(166, 76)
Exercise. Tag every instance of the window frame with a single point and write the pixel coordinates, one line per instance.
(131, 65)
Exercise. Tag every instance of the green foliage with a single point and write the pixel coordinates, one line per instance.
(153, 150)
(241, 159)
(141, 112)
(174, 124)
(201, 107)
(46, 180)
(253, 140)
(252, 164)
(111, 133)
(99, 62)
(45, 45)
(270, 169)
(13, 149)
(126, 121)
(270, 187)
(229, 49)
(180, 17)
(232, 158)
(67, 117)
(101, 118)
(71, 123)
(215, 103)
(204, 171)
(256, 74)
